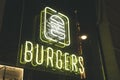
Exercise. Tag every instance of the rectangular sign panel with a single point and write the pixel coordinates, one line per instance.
(47, 53)
(54, 27)
(10, 73)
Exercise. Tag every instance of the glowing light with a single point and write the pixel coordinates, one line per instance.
(82, 69)
(39, 55)
(83, 37)
(49, 56)
(39, 58)
(81, 62)
(28, 51)
(67, 61)
(54, 28)
(59, 59)
(74, 63)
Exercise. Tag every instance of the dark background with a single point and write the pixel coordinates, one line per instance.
(18, 25)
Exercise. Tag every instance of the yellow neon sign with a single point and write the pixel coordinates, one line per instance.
(54, 28)
(39, 55)
(59, 59)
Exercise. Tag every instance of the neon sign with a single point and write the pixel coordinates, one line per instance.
(39, 55)
(54, 28)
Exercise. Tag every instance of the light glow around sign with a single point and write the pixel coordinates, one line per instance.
(54, 28)
(39, 55)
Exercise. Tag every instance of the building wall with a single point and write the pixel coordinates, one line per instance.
(2, 6)
(112, 69)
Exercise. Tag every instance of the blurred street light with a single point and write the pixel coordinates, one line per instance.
(83, 37)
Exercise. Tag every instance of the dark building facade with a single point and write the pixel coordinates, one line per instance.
(28, 41)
